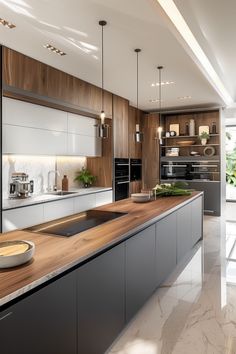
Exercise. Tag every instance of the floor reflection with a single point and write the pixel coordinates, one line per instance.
(195, 310)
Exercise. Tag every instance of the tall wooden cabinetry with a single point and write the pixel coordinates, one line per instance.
(120, 127)
(135, 148)
(150, 150)
(30, 80)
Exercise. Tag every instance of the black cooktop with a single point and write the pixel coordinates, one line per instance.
(79, 223)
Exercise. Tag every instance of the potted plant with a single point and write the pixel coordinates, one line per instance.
(85, 177)
(204, 136)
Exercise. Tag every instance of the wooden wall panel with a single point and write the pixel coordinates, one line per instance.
(135, 149)
(102, 166)
(120, 126)
(35, 80)
(150, 151)
(135, 187)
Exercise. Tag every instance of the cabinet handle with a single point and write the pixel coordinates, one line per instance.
(204, 165)
(5, 316)
(122, 164)
(209, 211)
(174, 166)
(122, 182)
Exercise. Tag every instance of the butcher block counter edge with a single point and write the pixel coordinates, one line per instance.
(17, 281)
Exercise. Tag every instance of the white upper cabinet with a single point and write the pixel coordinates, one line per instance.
(82, 138)
(30, 141)
(37, 130)
(30, 115)
(81, 125)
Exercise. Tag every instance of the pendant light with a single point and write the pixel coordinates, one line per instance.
(103, 128)
(159, 129)
(138, 134)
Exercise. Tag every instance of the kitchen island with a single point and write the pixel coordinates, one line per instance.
(93, 283)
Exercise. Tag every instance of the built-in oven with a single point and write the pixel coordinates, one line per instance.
(122, 178)
(206, 170)
(135, 170)
(175, 170)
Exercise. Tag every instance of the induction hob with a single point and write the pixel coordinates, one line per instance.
(79, 223)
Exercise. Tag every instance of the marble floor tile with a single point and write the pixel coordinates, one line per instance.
(194, 311)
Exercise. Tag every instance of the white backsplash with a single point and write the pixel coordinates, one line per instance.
(37, 167)
(69, 166)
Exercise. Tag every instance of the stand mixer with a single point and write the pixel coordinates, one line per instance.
(21, 187)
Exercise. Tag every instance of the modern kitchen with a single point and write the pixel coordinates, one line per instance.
(117, 236)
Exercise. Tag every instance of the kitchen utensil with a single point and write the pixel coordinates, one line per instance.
(15, 253)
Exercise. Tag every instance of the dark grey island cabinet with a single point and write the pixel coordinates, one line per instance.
(165, 247)
(139, 269)
(84, 311)
(101, 301)
(42, 323)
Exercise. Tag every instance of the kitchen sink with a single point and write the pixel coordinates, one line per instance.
(60, 193)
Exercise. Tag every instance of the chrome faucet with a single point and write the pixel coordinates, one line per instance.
(53, 187)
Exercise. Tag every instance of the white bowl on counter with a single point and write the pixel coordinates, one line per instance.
(24, 251)
(140, 197)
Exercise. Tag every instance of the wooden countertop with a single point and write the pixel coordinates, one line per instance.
(54, 255)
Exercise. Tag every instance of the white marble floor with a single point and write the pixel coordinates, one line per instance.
(194, 312)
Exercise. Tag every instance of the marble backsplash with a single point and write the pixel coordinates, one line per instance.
(37, 167)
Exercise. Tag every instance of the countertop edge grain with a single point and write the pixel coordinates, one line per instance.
(76, 262)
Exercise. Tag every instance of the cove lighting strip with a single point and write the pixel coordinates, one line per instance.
(177, 19)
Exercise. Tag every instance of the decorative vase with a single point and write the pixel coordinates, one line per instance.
(203, 141)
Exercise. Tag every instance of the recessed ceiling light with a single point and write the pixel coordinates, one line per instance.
(155, 100)
(184, 97)
(54, 49)
(163, 83)
(7, 24)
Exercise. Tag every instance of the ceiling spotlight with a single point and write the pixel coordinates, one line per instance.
(163, 83)
(155, 100)
(7, 24)
(184, 97)
(54, 49)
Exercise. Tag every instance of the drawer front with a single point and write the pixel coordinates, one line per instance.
(84, 202)
(58, 209)
(103, 198)
(22, 217)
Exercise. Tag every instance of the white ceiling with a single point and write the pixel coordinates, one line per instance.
(72, 26)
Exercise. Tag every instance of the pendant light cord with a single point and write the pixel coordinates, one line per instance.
(102, 73)
(137, 51)
(137, 80)
(159, 69)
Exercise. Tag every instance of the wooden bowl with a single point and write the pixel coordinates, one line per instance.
(15, 253)
(185, 142)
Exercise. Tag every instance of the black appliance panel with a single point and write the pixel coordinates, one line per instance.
(197, 170)
(121, 168)
(121, 189)
(82, 222)
(135, 169)
(176, 170)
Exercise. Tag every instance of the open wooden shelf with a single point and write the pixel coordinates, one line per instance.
(187, 136)
(193, 145)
